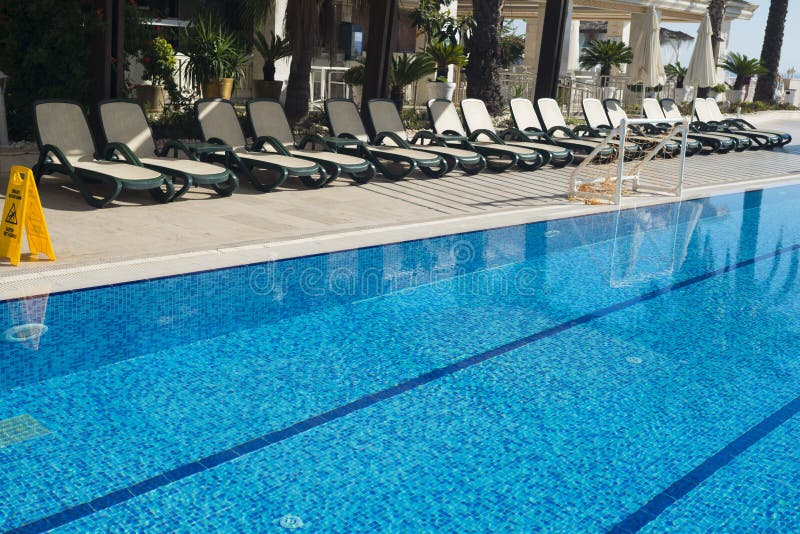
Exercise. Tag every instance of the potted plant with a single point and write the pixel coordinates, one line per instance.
(444, 53)
(744, 68)
(677, 73)
(407, 69)
(605, 53)
(717, 92)
(215, 63)
(158, 60)
(354, 77)
(272, 50)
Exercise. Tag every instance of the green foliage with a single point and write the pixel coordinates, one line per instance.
(355, 75)
(743, 67)
(444, 54)
(436, 25)
(606, 53)
(719, 88)
(159, 61)
(512, 48)
(45, 49)
(180, 124)
(676, 71)
(517, 91)
(414, 119)
(213, 52)
(407, 69)
(272, 50)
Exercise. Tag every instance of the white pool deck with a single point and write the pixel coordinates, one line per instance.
(136, 238)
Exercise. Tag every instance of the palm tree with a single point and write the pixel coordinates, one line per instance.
(771, 50)
(486, 54)
(606, 53)
(716, 12)
(743, 67)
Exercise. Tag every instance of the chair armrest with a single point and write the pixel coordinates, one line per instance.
(515, 134)
(62, 159)
(488, 133)
(313, 140)
(423, 135)
(123, 149)
(588, 130)
(398, 141)
(344, 140)
(178, 146)
(563, 129)
(259, 142)
(216, 141)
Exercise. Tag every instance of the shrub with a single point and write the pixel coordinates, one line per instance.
(45, 49)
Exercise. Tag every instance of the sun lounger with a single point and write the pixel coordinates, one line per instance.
(736, 124)
(671, 111)
(348, 129)
(706, 122)
(447, 124)
(125, 124)
(268, 120)
(714, 142)
(384, 118)
(525, 119)
(555, 123)
(480, 127)
(616, 113)
(66, 146)
(220, 125)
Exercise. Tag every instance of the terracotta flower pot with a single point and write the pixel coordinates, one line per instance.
(151, 97)
(221, 88)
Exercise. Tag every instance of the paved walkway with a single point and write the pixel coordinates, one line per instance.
(137, 229)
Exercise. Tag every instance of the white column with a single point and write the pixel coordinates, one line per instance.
(277, 25)
(723, 47)
(574, 54)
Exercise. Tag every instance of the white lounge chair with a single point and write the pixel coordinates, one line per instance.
(385, 118)
(351, 137)
(268, 120)
(671, 111)
(525, 119)
(739, 124)
(220, 125)
(447, 124)
(707, 121)
(124, 123)
(616, 113)
(714, 142)
(66, 146)
(480, 126)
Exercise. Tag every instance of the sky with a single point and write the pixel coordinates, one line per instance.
(747, 36)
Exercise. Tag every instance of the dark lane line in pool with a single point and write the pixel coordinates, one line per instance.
(108, 500)
(656, 506)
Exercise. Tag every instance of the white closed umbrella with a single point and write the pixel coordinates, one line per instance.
(702, 72)
(647, 66)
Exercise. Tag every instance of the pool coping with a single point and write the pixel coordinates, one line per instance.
(83, 276)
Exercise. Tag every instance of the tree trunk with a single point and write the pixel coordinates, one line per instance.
(716, 12)
(771, 50)
(485, 55)
(298, 90)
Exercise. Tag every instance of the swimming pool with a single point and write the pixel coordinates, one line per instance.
(634, 370)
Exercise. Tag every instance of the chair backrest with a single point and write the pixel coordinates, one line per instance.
(444, 117)
(62, 124)
(524, 115)
(476, 115)
(124, 121)
(713, 110)
(218, 119)
(551, 113)
(594, 113)
(670, 108)
(267, 118)
(701, 111)
(343, 118)
(384, 117)
(615, 111)
(652, 109)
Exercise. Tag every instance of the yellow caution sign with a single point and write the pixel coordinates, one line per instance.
(23, 212)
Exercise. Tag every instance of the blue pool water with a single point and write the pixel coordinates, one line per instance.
(628, 371)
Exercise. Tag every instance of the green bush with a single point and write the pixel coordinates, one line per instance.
(415, 119)
(45, 49)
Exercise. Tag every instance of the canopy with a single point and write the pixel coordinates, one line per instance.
(647, 66)
(701, 71)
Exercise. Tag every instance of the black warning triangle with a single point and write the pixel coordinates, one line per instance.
(11, 218)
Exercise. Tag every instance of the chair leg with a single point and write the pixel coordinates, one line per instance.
(226, 188)
(163, 195)
(364, 177)
(501, 166)
(316, 183)
(474, 168)
(114, 186)
(436, 172)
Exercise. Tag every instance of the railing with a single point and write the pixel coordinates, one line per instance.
(573, 90)
(512, 85)
(328, 82)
